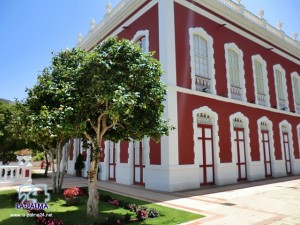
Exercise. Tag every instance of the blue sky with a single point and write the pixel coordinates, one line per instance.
(31, 29)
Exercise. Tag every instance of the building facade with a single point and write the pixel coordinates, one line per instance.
(233, 95)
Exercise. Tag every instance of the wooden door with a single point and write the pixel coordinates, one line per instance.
(239, 141)
(139, 164)
(112, 161)
(267, 152)
(287, 154)
(206, 154)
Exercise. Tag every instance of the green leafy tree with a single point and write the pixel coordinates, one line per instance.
(112, 93)
(120, 97)
(8, 142)
(46, 115)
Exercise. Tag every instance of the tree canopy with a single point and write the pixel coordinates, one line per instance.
(112, 93)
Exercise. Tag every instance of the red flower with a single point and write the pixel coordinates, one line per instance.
(73, 192)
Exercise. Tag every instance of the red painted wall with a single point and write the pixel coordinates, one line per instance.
(148, 21)
(155, 153)
(187, 103)
(185, 19)
(71, 153)
(124, 152)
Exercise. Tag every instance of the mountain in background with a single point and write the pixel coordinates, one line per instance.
(6, 101)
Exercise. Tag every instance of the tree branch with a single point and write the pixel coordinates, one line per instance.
(93, 126)
(88, 136)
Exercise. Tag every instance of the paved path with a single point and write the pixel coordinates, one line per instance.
(274, 201)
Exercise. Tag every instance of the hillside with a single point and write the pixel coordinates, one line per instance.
(6, 101)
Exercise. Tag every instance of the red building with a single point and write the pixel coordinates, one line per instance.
(233, 94)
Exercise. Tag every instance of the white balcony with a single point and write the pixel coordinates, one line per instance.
(16, 174)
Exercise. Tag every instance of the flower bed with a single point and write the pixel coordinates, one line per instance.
(142, 212)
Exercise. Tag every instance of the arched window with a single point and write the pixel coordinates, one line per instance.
(266, 144)
(259, 67)
(235, 72)
(142, 39)
(206, 146)
(286, 140)
(281, 89)
(296, 91)
(202, 61)
(240, 146)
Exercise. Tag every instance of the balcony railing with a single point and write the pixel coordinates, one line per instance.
(261, 99)
(16, 174)
(236, 93)
(202, 84)
(260, 21)
(282, 104)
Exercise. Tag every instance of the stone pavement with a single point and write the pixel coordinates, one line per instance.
(272, 201)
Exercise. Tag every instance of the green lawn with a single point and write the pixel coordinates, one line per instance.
(74, 215)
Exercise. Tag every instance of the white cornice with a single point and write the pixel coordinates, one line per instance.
(228, 100)
(109, 22)
(244, 19)
(253, 24)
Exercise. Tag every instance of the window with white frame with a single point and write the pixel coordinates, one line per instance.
(296, 91)
(202, 61)
(259, 67)
(235, 72)
(281, 89)
(142, 39)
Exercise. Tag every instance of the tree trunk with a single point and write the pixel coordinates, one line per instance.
(52, 153)
(47, 164)
(65, 161)
(93, 201)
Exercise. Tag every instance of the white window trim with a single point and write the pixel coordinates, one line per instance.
(265, 77)
(271, 140)
(245, 121)
(240, 53)
(279, 67)
(291, 144)
(197, 148)
(211, 61)
(297, 76)
(139, 34)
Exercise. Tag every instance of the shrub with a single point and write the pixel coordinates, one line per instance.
(152, 213)
(141, 213)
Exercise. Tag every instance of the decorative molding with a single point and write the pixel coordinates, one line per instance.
(284, 83)
(264, 123)
(139, 34)
(265, 79)
(285, 126)
(237, 50)
(245, 124)
(213, 117)
(261, 36)
(296, 76)
(211, 60)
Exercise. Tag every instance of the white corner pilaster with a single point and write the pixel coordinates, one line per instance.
(169, 145)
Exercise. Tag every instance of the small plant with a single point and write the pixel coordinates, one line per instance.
(141, 213)
(152, 213)
(131, 207)
(73, 192)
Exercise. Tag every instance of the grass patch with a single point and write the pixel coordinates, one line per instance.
(74, 215)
